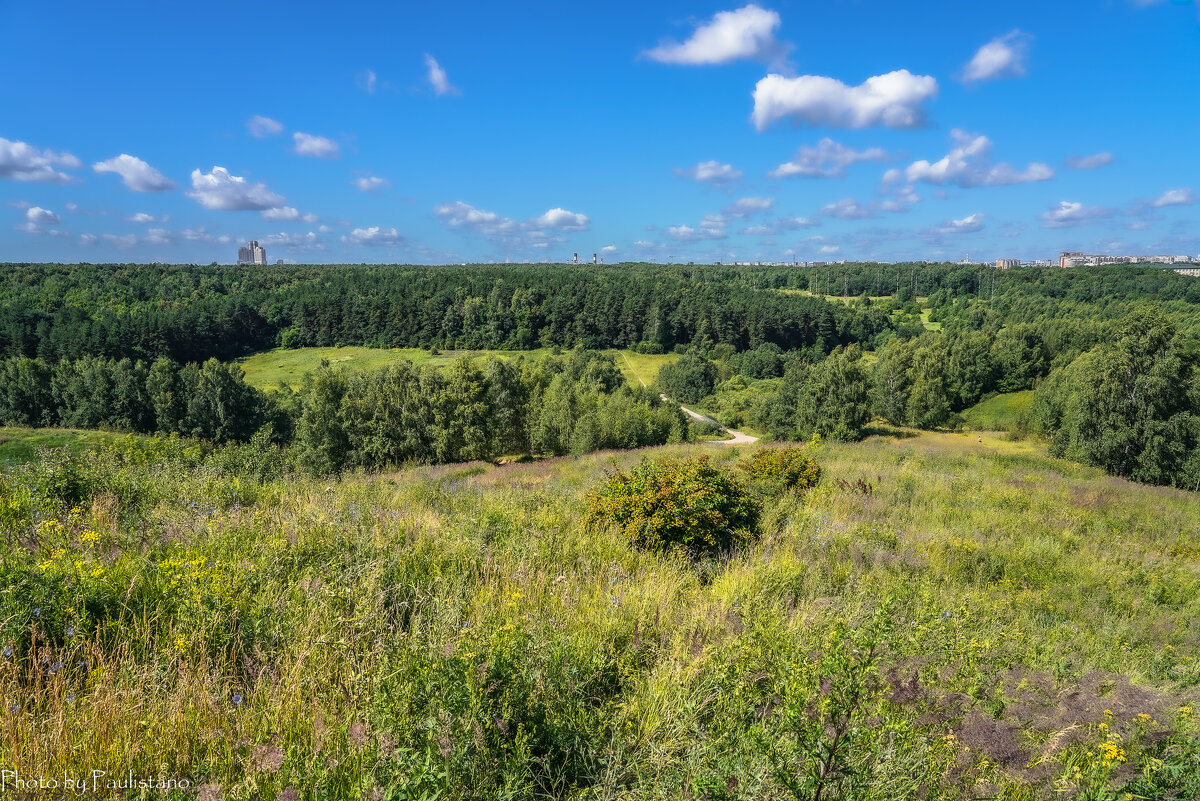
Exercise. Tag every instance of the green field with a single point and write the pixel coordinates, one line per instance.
(20, 444)
(459, 633)
(281, 367)
(1006, 412)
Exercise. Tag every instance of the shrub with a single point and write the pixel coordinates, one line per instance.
(676, 504)
(790, 467)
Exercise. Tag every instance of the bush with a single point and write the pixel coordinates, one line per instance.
(791, 468)
(676, 504)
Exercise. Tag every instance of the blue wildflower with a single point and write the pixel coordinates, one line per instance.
(237, 699)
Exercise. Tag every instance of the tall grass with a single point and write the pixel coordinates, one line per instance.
(456, 632)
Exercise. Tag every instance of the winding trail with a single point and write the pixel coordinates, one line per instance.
(739, 437)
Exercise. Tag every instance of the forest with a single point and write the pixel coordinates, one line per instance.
(789, 351)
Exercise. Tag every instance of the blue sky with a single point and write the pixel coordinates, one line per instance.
(370, 132)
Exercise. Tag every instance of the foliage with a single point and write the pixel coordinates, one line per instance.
(688, 380)
(790, 468)
(1131, 407)
(667, 505)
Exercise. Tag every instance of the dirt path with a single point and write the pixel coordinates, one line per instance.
(739, 438)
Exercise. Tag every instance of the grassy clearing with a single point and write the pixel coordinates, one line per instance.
(20, 444)
(1006, 412)
(457, 631)
(287, 367)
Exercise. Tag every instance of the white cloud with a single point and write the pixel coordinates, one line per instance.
(847, 209)
(370, 183)
(136, 174)
(686, 233)
(438, 78)
(745, 206)
(1089, 162)
(263, 127)
(224, 192)
(367, 80)
(308, 241)
(966, 225)
(287, 213)
(315, 146)
(893, 100)
(713, 172)
(24, 162)
(830, 248)
(1067, 214)
(772, 227)
(608, 249)
(40, 216)
(374, 237)
(562, 220)
(969, 164)
(535, 232)
(1002, 57)
(829, 159)
(747, 33)
(143, 217)
(71, 207)
(1176, 197)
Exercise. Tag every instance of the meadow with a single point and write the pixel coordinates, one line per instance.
(284, 367)
(949, 616)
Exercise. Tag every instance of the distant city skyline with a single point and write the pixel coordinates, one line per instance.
(678, 132)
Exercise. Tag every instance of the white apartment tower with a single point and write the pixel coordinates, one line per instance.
(253, 253)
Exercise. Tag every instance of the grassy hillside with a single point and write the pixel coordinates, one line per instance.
(1006, 412)
(20, 444)
(284, 367)
(991, 622)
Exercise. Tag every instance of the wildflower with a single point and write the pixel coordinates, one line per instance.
(237, 699)
(7, 650)
(37, 611)
(70, 697)
(70, 631)
(57, 666)
(15, 708)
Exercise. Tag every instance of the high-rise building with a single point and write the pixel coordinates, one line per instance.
(253, 253)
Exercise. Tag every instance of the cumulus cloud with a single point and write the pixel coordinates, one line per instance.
(847, 209)
(39, 216)
(136, 174)
(713, 172)
(772, 227)
(1003, 57)
(968, 164)
(317, 147)
(537, 232)
(370, 183)
(967, 225)
(22, 161)
(829, 159)
(437, 77)
(1091, 162)
(894, 100)
(308, 241)
(686, 233)
(224, 192)
(747, 33)
(262, 127)
(287, 213)
(143, 217)
(1067, 214)
(562, 220)
(608, 249)
(745, 206)
(374, 237)
(1176, 197)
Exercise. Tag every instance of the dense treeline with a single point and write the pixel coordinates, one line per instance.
(192, 313)
(572, 404)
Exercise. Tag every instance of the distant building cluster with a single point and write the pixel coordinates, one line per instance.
(1075, 259)
(253, 253)
(1008, 264)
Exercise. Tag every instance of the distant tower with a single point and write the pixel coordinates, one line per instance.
(594, 258)
(575, 259)
(253, 253)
